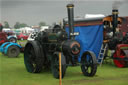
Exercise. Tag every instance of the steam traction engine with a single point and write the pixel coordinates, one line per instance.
(43, 51)
(117, 38)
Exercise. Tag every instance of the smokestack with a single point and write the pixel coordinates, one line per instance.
(115, 20)
(70, 20)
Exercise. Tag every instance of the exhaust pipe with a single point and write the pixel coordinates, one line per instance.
(115, 20)
(71, 20)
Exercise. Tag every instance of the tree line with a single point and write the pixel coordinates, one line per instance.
(21, 25)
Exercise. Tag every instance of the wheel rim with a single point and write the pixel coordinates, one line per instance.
(87, 63)
(13, 51)
(118, 63)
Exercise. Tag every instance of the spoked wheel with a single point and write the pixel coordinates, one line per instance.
(118, 63)
(89, 63)
(55, 65)
(33, 57)
(13, 51)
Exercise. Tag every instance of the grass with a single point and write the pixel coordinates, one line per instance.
(13, 72)
(22, 42)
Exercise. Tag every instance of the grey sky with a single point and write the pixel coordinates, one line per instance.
(34, 11)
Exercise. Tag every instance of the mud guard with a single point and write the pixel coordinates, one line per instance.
(10, 44)
(3, 45)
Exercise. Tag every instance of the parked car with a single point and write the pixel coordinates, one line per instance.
(21, 36)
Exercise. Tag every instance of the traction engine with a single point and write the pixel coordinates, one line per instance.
(116, 38)
(43, 52)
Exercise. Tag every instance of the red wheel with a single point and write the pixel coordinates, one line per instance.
(118, 63)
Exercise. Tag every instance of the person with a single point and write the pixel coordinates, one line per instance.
(119, 34)
(1, 27)
(125, 39)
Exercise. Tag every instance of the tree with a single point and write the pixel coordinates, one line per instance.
(20, 25)
(6, 25)
(23, 25)
(17, 25)
(42, 24)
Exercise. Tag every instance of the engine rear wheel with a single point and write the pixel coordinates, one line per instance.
(55, 65)
(33, 57)
(13, 51)
(89, 63)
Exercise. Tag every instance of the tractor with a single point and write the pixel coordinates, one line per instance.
(3, 37)
(10, 49)
(43, 51)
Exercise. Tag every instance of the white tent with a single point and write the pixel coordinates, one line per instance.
(94, 16)
(44, 27)
(27, 30)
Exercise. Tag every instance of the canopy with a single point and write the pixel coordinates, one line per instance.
(90, 38)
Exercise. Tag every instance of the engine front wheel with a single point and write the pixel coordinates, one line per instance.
(88, 63)
(55, 65)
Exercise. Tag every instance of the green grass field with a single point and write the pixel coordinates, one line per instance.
(13, 72)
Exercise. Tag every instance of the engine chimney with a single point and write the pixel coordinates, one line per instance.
(71, 20)
(115, 20)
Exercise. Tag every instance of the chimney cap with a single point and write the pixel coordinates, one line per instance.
(70, 5)
(115, 10)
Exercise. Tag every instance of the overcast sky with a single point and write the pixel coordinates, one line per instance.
(32, 12)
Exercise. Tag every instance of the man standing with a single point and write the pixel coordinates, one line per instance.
(1, 27)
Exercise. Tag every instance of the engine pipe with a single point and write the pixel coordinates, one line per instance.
(71, 20)
(115, 20)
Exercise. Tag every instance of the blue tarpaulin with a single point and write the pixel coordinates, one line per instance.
(90, 38)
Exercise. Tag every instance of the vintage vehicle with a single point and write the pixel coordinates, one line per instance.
(120, 57)
(21, 36)
(3, 38)
(3, 35)
(43, 51)
(10, 49)
(116, 38)
(11, 36)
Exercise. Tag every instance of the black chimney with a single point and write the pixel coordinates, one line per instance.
(115, 20)
(71, 20)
